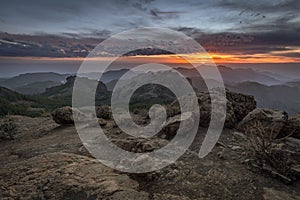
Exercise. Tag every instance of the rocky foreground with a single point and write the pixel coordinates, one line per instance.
(45, 159)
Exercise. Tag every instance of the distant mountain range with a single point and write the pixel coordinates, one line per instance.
(66, 88)
(237, 75)
(267, 90)
(12, 102)
(276, 96)
(274, 75)
(33, 83)
(228, 74)
(36, 87)
(46, 79)
(109, 75)
(37, 83)
(270, 89)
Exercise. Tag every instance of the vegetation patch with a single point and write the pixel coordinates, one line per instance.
(8, 130)
(266, 154)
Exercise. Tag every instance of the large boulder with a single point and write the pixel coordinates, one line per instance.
(172, 125)
(271, 121)
(204, 101)
(292, 127)
(65, 115)
(104, 112)
(242, 104)
(237, 107)
(65, 176)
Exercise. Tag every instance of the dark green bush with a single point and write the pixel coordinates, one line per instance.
(8, 130)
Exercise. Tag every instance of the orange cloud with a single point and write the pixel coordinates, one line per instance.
(272, 57)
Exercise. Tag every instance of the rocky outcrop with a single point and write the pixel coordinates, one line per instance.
(140, 145)
(237, 107)
(65, 115)
(104, 112)
(292, 127)
(172, 124)
(272, 121)
(242, 104)
(204, 101)
(65, 176)
(34, 168)
(273, 194)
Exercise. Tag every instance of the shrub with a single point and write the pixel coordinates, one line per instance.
(265, 154)
(8, 130)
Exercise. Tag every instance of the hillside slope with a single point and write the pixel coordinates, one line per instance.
(276, 97)
(29, 78)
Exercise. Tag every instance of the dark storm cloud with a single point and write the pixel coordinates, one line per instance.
(88, 32)
(287, 22)
(264, 6)
(282, 37)
(256, 42)
(265, 15)
(157, 14)
(247, 26)
(290, 54)
(250, 43)
(58, 16)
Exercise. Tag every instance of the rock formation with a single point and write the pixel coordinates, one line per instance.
(65, 176)
(65, 115)
(272, 121)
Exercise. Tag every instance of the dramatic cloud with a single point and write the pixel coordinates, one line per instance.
(59, 16)
(223, 26)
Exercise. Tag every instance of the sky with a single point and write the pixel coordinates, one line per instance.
(231, 31)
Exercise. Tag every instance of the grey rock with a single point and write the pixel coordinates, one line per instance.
(139, 145)
(237, 107)
(273, 194)
(65, 115)
(104, 112)
(292, 127)
(172, 124)
(272, 121)
(66, 176)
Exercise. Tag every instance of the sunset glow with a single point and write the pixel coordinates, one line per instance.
(273, 57)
